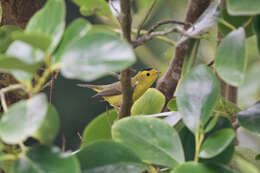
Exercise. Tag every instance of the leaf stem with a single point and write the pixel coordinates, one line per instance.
(41, 80)
(222, 21)
(199, 136)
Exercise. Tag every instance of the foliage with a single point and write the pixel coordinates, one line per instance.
(193, 137)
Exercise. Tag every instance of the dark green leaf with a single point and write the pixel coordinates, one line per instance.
(50, 20)
(36, 40)
(196, 107)
(207, 20)
(172, 105)
(256, 26)
(5, 36)
(99, 128)
(109, 157)
(99, 7)
(152, 139)
(231, 58)
(250, 118)
(243, 7)
(216, 143)
(43, 159)
(244, 161)
(151, 102)
(49, 127)
(75, 31)
(23, 119)
(257, 157)
(236, 21)
(188, 142)
(195, 167)
(95, 55)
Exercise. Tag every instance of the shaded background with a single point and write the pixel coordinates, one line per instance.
(75, 105)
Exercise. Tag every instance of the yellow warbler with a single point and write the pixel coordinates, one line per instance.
(112, 92)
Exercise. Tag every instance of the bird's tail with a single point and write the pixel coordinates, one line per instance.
(94, 87)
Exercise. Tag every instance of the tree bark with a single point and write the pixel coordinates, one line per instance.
(168, 82)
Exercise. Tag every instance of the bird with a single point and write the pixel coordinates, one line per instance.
(112, 92)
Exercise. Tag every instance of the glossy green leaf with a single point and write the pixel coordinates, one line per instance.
(153, 140)
(23, 119)
(236, 21)
(250, 118)
(244, 161)
(88, 7)
(25, 52)
(75, 31)
(49, 127)
(195, 167)
(36, 40)
(243, 7)
(231, 58)
(50, 20)
(99, 128)
(6, 36)
(216, 143)
(95, 55)
(226, 155)
(207, 20)
(43, 159)
(211, 124)
(196, 107)
(109, 157)
(172, 105)
(151, 102)
(9, 63)
(248, 139)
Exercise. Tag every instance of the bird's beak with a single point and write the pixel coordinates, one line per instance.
(158, 72)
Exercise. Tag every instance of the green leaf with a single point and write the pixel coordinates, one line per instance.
(151, 102)
(43, 159)
(256, 25)
(153, 140)
(7, 165)
(196, 107)
(23, 119)
(99, 128)
(250, 118)
(211, 124)
(236, 21)
(207, 20)
(89, 7)
(50, 20)
(5, 36)
(109, 157)
(257, 157)
(75, 31)
(49, 127)
(95, 55)
(216, 143)
(172, 105)
(231, 58)
(36, 40)
(25, 52)
(188, 143)
(244, 161)
(243, 7)
(195, 167)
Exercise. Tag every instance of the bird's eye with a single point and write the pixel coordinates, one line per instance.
(147, 74)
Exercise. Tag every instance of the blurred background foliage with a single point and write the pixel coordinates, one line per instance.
(75, 104)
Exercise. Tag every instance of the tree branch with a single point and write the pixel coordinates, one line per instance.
(168, 82)
(125, 78)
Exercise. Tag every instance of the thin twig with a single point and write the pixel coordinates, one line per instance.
(148, 13)
(160, 23)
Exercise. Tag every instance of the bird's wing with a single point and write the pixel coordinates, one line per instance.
(108, 92)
